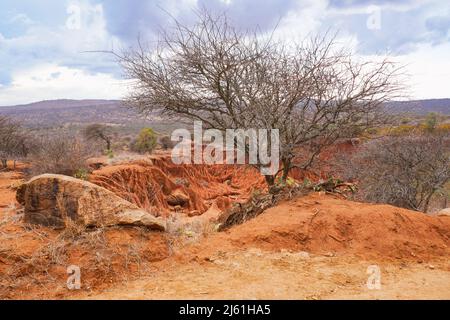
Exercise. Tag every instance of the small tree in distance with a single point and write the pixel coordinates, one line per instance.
(166, 142)
(100, 132)
(431, 121)
(145, 142)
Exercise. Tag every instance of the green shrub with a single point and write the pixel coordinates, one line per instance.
(145, 142)
(82, 174)
(431, 121)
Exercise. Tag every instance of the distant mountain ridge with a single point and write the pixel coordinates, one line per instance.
(64, 103)
(63, 112)
(421, 107)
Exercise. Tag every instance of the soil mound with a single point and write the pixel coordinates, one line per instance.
(324, 224)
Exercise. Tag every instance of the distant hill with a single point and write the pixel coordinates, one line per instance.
(55, 113)
(421, 107)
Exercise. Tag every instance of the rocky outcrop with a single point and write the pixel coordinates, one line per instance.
(53, 200)
(444, 212)
(178, 198)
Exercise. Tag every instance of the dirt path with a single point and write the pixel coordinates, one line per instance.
(254, 274)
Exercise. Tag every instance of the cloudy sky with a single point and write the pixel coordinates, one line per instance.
(44, 44)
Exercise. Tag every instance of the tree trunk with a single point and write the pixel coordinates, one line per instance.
(4, 163)
(286, 169)
(427, 203)
(270, 180)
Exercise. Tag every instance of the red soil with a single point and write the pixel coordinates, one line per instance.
(317, 224)
(33, 260)
(150, 184)
(324, 224)
(265, 258)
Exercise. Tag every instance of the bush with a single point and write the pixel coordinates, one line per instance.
(15, 142)
(166, 143)
(431, 121)
(82, 174)
(145, 142)
(405, 171)
(61, 154)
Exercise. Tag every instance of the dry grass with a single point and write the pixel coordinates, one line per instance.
(185, 231)
(100, 253)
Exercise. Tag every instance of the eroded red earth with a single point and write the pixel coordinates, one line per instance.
(313, 247)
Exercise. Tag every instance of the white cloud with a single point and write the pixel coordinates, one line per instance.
(21, 18)
(33, 57)
(429, 71)
(427, 67)
(306, 18)
(49, 81)
(41, 51)
(41, 44)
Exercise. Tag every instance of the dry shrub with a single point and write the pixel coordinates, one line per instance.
(404, 171)
(188, 231)
(166, 142)
(104, 255)
(15, 141)
(61, 154)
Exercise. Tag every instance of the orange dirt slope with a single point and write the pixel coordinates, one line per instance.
(325, 224)
(314, 247)
(149, 184)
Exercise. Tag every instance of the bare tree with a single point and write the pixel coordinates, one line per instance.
(405, 171)
(313, 92)
(96, 132)
(14, 142)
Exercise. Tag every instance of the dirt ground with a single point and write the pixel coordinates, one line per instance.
(255, 274)
(315, 247)
(8, 180)
(270, 257)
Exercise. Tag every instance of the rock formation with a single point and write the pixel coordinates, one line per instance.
(54, 200)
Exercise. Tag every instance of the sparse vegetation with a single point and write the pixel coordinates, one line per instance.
(145, 142)
(14, 142)
(62, 154)
(405, 171)
(431, 122)
(225, 230)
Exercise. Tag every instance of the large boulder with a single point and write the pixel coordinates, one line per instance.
(444, 212)
(53, 200)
